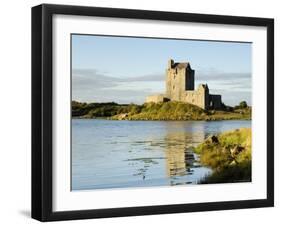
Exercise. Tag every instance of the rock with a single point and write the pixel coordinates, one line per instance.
(122, 116)
(236, 150)
(215, 139)
(189, 156)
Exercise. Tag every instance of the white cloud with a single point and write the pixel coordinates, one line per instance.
(94, 86)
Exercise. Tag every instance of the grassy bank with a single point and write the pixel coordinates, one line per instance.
(229, 155)
(156, 111)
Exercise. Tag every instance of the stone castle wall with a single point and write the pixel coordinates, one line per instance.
(199, 97)
(215, 101)
(179, 78)
(180, 87)
(156, 98)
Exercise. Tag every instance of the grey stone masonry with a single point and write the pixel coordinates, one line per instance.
(180, 79)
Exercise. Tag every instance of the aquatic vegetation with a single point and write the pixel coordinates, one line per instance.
(229, 155)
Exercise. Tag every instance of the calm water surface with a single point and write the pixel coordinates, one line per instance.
(117, 154)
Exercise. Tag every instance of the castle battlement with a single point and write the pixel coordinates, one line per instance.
(180, 79)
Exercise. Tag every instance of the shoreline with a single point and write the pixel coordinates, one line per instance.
(167, 111)
(168, 120)
(229, 155)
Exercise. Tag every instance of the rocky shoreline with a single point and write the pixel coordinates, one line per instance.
(228, 155)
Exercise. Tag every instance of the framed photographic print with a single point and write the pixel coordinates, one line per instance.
(145, 112)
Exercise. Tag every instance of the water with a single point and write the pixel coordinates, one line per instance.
(120, 154)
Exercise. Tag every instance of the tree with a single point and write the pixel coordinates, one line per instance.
(243, 104)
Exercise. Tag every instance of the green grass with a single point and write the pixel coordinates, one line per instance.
(171, 110)
(168, 111)
(227, 165)
(231, 174)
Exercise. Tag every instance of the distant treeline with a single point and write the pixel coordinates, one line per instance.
(171, 110)
(93, 110)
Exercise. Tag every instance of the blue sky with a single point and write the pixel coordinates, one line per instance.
(126, 70)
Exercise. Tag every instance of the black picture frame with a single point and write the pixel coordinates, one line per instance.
(42, 111)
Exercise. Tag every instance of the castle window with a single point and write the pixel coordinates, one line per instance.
(174, 76)
(173, 87)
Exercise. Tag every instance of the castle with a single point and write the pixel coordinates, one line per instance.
(180, 87)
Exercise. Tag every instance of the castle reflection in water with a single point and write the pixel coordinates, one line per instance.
(180, 160)
(121, 154)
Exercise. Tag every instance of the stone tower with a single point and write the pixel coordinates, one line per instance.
(180, 87)
(179, 78)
